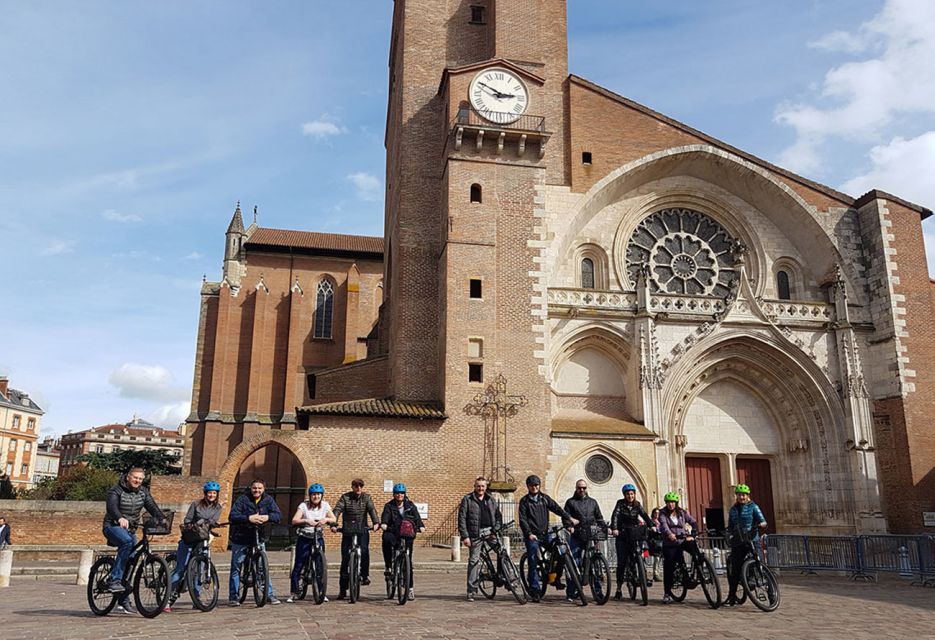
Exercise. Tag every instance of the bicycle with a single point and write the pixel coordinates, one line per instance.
(309, 575)
(147, 572)
(353, 568)
(553, 554)
(505, 574)
(634, 571)
(200, 577)
(398, 581)
(758, 580)
(699, 572)
(595, 570)
(254, 572)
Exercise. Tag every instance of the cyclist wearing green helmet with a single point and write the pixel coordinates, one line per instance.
(745, 520)
(676, 526)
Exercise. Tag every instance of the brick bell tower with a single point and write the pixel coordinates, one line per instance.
(475, 129)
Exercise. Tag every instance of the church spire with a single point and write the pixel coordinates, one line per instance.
(236, 225)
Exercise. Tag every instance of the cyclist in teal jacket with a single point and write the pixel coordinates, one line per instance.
(745, 519)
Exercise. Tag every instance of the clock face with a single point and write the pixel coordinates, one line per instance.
(499, 95)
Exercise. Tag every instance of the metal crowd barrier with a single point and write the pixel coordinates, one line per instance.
(862, 557)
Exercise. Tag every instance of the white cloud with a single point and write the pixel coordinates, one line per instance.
(840, 41)
(194, 255)
(322, 128)
(897, 167)
(147, 382)
(858, 100)
(57, 248)
(169, 415)
(368, 186)
(115, 216)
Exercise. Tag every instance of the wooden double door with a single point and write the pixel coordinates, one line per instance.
(706, 490)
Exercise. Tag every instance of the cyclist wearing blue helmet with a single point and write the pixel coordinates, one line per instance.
(626, 522)
(202, 514)
(400, 519)
(309, 517)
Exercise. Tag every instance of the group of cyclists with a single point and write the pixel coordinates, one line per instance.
(669, 532)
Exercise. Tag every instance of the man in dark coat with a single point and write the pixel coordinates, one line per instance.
(477, 512)
(249, 515)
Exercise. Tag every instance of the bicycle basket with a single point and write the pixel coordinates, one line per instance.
(596, 532)
(159, 527)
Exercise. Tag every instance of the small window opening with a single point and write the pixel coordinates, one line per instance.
(587, 273)
(586, 157)
(475, 348)
(475, 372)
(310, 380)
(476, 288)
(782, 283)
(478, 14)
(476, 193)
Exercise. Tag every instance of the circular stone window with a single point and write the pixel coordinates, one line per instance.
(687, 252)
(599, 469)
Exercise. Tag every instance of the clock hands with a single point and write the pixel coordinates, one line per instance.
(499, 95)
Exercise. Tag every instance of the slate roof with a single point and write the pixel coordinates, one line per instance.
(387, 408)
(17, 399)
(314, 241)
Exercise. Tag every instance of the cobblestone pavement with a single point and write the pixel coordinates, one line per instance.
(812, 607)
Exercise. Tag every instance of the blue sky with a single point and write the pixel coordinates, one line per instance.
(128, 131)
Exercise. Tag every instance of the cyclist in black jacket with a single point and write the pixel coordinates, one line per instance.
(625, 521)
(534, 508)
(585, 509)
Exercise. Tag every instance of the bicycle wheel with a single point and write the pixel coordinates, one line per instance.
(761, 585)
(203, 584)
(679, 582)
(305, 577)
(709, 582)
(512, 580)
(260, 578)
(100, 599)
(353, 591)
(402, 577)
(487, 580)
(151, 586)
(319, 582)
(574, 578)
(599, 579)
(639, 581)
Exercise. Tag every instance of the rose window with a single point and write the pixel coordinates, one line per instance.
(687, 253)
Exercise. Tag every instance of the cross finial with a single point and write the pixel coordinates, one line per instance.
(254, 214)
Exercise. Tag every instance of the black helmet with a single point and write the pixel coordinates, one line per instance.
(533, 480)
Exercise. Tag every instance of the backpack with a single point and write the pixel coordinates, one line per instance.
(407, 529)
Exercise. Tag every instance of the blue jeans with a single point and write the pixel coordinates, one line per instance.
(576, 548)
(303, 548)
(124, 540)
(238, 553)
(532, 555)
(181, 560)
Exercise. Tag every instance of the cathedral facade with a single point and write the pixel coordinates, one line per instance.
(574, 285)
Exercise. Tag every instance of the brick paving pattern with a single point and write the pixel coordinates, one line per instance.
(812, 607)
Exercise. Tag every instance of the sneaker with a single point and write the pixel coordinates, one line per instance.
(649, 583)
(115, 586)
(470, 596)
(326, 599)
(560, 585)
(342, 596)
(273, 600)
(233, 603)
(125, 608)
(293, 597)
(167, 608)
(412, 594)
(364, 582)
(618, 595)
(667, 599)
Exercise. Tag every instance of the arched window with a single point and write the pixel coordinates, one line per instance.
(782, 284)
(475, 193)
(324, 309)
(587, 273)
